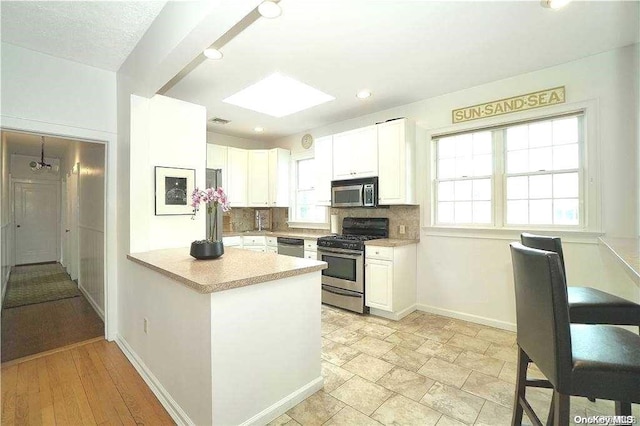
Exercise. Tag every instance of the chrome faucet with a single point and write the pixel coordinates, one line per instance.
(259, 217)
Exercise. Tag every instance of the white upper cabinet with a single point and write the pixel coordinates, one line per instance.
(237, 163)
(355, 154)
(396, 171)
(323, 148)
(279, 177)
(252, 178)
(258, 178)
(217, 159)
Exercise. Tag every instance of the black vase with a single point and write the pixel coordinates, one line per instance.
(205, 249)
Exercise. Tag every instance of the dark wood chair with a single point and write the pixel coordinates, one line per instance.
(593, 361)
(588, 305)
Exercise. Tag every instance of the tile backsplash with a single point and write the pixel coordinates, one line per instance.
(409, 216)
(243, 219)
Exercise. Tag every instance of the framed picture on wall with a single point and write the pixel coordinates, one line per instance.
(173, 190)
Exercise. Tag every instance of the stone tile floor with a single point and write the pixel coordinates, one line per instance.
(422, 370)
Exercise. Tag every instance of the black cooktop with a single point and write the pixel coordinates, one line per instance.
(356, 231)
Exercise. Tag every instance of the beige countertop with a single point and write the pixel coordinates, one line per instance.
(236, 267)
(627, 250)
(388, 242)
(290, 234)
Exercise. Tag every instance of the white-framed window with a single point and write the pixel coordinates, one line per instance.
(303, 210)
(526, 174)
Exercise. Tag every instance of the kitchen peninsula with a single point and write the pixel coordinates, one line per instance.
(235, 340)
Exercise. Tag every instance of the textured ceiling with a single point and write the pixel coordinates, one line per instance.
(403, 51)
(97, 33)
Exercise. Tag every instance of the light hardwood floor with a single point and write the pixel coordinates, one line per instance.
(85, 385)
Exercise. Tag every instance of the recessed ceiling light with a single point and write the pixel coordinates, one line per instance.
(258, 129)
(554, 4)
(278, 96)
(363, 94)
(212, 53)
(269, 9)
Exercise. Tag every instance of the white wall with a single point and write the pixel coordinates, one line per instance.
(176, 350)
(52, 96)
(91, 229)
(467, 273)
(5, 200)
(40, 87)
(234, 141)
(170, 133)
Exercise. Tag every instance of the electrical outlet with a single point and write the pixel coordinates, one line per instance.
(146, 326)
(403, 229)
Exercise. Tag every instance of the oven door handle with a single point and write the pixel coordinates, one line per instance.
(353, 253)
(340, 293)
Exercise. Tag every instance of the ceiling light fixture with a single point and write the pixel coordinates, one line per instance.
(212, 53)
(37, 166)
(554, 4)
(278, 96)
(258, 129)
(269, 9)
(363, 94)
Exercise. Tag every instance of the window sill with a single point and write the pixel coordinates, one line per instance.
(308, 225)
(512, 234)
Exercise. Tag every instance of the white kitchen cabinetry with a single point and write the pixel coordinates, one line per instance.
(396, 159)
(323, 154)
(390, 280)
(255, 243)
(232, 241)
(279, 160)
(258, 178)
(217, 159)
(237, 163)
(355, 154)
(311, 249)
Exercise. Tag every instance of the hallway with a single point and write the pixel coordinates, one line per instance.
(44, 310)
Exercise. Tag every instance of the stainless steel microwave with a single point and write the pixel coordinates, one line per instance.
(355, 192)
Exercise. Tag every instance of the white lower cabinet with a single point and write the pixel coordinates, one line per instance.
(232, 241)
(379, 287)
(270, 249)
(390, 280)
(309, 254)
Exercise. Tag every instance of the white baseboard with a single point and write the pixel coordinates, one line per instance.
(93, 304)
(282, 406)
(175, 411)
(393, 315)
(468, 317)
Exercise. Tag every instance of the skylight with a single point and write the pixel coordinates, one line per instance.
(278, 96)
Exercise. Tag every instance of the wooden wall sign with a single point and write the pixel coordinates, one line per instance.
(519, 103)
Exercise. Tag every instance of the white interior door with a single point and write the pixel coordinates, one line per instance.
(37, 221)
(64, 234)
(71, 230)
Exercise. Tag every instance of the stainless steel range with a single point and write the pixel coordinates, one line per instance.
(343, 280)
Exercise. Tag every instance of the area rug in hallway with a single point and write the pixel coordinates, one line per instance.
(31, 284)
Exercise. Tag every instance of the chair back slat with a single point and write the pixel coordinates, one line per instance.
(542, 312)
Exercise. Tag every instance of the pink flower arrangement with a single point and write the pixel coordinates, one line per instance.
(212, 198)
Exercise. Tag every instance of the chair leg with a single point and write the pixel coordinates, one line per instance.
(551, 410)
(561, 409)
(521, 383)
(623, 409)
